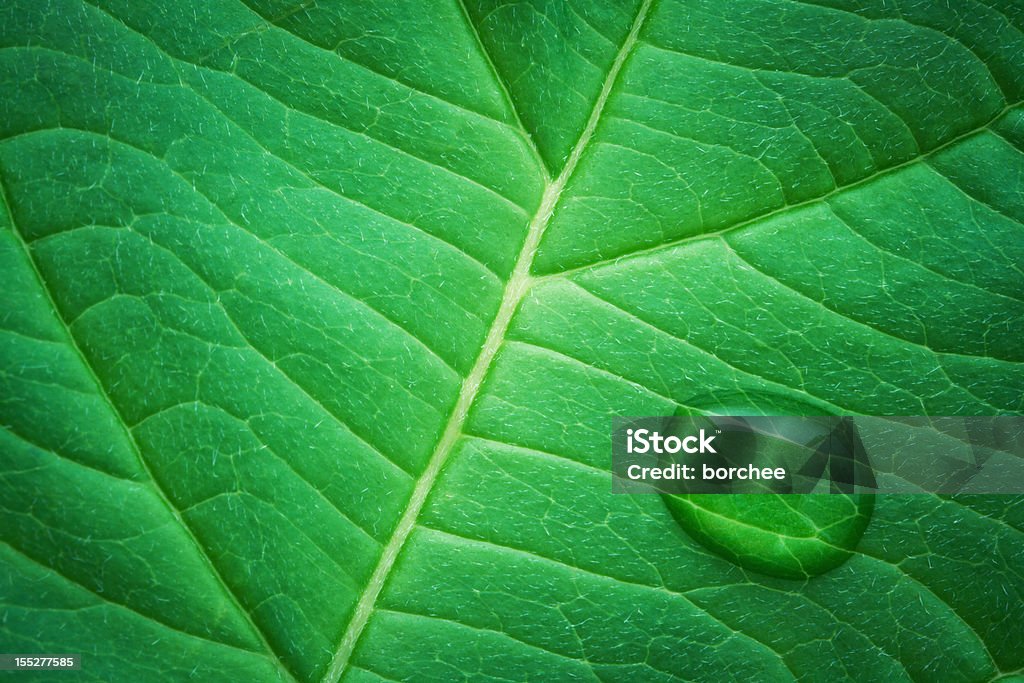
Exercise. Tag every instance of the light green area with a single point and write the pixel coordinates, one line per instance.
(256, 256)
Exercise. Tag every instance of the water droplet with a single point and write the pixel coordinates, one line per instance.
(794, 536)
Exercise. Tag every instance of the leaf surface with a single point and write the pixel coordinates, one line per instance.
(316, 315)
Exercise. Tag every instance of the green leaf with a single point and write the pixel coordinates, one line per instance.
(316, 315)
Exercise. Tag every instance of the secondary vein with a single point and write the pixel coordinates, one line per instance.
(515, 289)
(204, 555)
(505, 91)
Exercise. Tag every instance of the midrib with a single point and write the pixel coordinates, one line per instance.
(516, 287)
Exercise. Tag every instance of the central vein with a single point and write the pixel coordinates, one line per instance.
(516, 288)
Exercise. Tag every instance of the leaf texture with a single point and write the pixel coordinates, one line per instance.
(316, 315)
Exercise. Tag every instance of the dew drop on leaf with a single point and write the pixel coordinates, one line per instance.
(794, 536)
